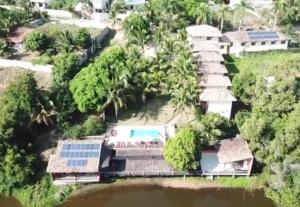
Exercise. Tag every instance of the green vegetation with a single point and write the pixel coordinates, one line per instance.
(43, 193)
(270, 122)
(260, 63)
(89, 127)
(183, 151)
(213, 127)
(36, 41)
(10, 19)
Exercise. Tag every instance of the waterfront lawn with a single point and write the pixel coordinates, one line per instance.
(262, 62)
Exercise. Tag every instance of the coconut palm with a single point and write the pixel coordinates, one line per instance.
(44, 111)
(222, 13)
(280, 7)
(139, 36)
(241, 8)
(203, 14)
(118, 95)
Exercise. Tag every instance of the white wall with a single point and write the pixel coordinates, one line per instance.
(222, 108)
(237, 48)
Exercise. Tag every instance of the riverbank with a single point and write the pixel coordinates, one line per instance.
(190, 183)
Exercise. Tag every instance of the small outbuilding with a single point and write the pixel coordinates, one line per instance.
(78, 161)
(231, 157)
(217, 100)
(40, 4)
(255, 41)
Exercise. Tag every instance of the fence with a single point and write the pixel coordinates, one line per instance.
(83, 23)
(25, 65)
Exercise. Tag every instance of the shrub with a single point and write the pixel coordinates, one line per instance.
(183, 151)
(89, 127)
(3, 47)
(82, 38)
(36, 41)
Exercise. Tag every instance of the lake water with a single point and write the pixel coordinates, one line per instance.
(146, 196)
(8, 202)
(162, 197)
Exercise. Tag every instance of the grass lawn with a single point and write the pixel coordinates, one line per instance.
(260, 63)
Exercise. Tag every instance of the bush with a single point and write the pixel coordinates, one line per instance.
(36, 41)
(89, 127)
(183, 151)
(213, 127)
(3, 47)
(82, 38)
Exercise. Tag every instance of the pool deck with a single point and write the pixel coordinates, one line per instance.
(121, 136)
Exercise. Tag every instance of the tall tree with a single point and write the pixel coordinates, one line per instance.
(240, 10)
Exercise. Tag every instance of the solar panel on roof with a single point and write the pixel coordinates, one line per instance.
(262, 35)
(76, 163)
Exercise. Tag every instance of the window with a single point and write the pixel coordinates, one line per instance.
(40, 5)
(273, 42)
(208, 38)
(283, 42)
(243, 44)
(263, 43)
(98, 10)
(222, 47)
(252, 43)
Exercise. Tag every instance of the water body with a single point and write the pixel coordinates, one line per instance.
(154, 196)
(8, 202)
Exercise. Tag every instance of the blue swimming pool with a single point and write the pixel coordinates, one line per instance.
(144, 132)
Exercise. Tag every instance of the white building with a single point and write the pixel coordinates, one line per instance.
(40, 4)
(100, 5)
(134, 4)
(217, 100)
(255, 41)
(259, 4)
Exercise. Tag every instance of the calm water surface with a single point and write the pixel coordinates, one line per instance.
(162, 197)
(8, 202)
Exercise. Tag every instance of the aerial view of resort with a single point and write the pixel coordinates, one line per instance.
(149, 103)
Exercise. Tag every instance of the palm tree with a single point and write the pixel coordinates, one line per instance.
(203, 14)
(139, 36)
(44, 111)
(241, 9)
(118, 95)
(64, 41)
(280, 7)
(223, 11)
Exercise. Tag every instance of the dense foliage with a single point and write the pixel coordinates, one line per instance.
(10, 19)
(213, 127)
(89, 127)
(272, 126)
(17, 105)
(183, 151)
(36, 41)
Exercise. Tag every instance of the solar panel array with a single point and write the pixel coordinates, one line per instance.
(76, 163)
(78, 154)
(262, 35)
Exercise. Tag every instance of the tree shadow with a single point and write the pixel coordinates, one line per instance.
(147, 111)
(231, 66)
